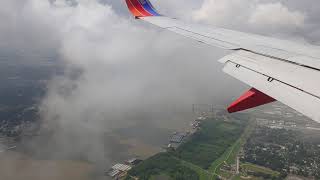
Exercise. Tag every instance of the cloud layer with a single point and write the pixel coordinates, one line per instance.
(265, 17)
(120, 72)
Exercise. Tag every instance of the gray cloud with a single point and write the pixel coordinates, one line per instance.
(130, 72)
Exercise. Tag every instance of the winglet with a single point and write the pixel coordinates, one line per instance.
(141, 8)
(250, 99)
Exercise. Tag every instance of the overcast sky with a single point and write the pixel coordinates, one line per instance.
(129, 67)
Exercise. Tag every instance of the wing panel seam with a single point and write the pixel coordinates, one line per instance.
(276, 80)
(235, 45)
(281, 59)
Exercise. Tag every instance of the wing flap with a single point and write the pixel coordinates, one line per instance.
(291, 74)
(291, 96)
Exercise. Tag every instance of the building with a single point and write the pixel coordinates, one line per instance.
(262, 122)
(133, 161)
(201, 118)
(121, 167)
(177, 137)
(114, 173)
(119, 170)
(195, 124)
(238, 165)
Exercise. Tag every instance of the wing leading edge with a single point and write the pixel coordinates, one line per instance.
(277, 69)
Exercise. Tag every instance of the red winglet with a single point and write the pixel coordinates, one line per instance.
(250, 99)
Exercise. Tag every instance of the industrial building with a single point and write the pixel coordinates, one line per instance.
(133, 161)
(177, 137)
(119, 170)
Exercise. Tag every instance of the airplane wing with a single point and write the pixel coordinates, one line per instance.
(275, 69)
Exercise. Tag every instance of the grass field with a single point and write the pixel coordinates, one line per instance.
(203, 174)
(261, 169)
(211, 142)
(229, 156)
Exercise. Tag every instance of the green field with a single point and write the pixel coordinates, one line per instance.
(229, 156)
(260, 172)
(211, 142)
(260, 169)
(217, 141)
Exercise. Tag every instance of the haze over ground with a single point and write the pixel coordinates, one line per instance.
(128, 72)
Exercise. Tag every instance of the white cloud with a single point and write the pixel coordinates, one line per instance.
(251, 15)
(224, 12)
(276, 14)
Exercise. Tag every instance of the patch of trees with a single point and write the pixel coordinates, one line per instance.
(163, 163)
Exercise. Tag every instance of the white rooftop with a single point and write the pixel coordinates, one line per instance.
(114, 173)
(121, 167)
(132, 160)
